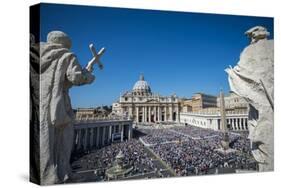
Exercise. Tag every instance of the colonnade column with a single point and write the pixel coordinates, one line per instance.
(85, 139)
(98, 136)
(246, 123)
(130, 133)
(79, 139)
(236, 124)
(91, 137)
(122, 132)
(109, 133)
(103, 136)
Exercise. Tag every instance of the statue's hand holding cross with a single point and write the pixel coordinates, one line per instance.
(95, 59)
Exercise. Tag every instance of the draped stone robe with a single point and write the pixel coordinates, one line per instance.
(252, 78)
(59, 71)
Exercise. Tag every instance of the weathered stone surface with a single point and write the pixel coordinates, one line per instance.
(252, 78)
(59, 71)
(34, 111)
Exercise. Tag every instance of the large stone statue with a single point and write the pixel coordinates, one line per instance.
(59, 71)
(252, 78)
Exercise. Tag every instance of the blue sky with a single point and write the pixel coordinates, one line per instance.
(181, 53)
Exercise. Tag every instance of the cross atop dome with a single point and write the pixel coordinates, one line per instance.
(141, 77)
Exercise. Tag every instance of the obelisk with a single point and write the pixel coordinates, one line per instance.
(225, 140)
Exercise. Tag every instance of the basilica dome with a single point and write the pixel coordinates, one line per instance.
(141, 87)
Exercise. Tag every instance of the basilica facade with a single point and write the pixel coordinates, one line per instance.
(144, 106)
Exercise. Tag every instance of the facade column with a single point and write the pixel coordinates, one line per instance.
(152, 112)
(137, 114)
(98, 137)
(155, 113)
(177, 114)
(149, 114)
(143, 114)
(171, 113)
(159, 114)
(165, 113)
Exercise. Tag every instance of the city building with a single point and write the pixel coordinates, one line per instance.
(234, 104)
(202, 100)
(204, 112)
(143, 106)
(198, 102)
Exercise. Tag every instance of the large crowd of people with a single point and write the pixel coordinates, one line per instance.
(187, 150)
(102, 159)
(156, 136)
(194, 151)
(195, 132)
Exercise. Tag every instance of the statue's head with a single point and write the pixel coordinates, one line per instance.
(257, 33)
(59, 37)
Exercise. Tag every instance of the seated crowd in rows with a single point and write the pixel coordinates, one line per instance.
(187, 150)
(190, 156)
(101, 159)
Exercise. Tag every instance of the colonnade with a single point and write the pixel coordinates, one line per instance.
(237, 123)
(96, 135)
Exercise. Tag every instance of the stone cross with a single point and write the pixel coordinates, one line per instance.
(96, 58)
